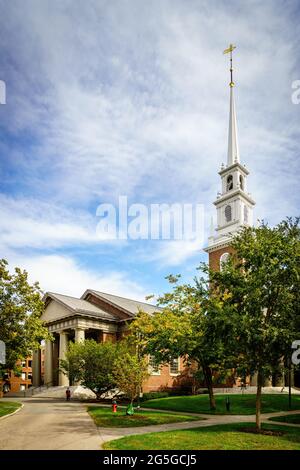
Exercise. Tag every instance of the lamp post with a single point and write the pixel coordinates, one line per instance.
(290, 382)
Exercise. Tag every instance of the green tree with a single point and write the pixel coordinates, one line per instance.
(21, 307)
(262, 287)
(91, 364)
(192, 323)
(244, 316)
(130, 370)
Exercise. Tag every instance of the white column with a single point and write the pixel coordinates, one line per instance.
(48, 363)
(63, 346)
(36, 368)
(79, 335)
(79, 338)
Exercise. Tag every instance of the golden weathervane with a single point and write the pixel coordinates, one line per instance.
(229, 50)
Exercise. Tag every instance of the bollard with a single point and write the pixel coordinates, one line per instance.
(227, 404)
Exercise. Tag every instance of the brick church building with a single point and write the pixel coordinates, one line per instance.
(103, 316)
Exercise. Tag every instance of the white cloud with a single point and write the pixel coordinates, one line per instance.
(176, 252)
(62, 274)
(132, 98)
(136, 93)
(35, 224)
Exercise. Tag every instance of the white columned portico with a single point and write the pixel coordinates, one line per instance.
(48, 363)
(63, 346)
(79, 335)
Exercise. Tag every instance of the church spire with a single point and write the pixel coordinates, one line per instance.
(233, 155)
(233, 203)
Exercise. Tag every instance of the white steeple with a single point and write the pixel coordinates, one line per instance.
(233, 155)
(234, 204)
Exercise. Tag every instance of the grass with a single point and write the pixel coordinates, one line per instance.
(104, 417)
(293, 419)
(222, 437)
(240, 404)
(7, 407)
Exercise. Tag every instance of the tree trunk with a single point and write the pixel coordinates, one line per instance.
(258, 400)
(209, 383)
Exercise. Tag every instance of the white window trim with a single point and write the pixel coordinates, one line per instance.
(222, 261)
(151, 370)
(177, 373)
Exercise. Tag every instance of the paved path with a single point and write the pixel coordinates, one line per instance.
(49, 424)
(109, 434)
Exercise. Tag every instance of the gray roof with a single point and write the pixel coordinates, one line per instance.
(81, 306)
(131, 306)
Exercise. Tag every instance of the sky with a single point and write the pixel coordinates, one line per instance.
(130, 98)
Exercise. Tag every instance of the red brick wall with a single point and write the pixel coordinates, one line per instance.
(214, 257)
(16, 382)
(165, 380)
(107, 306)
(103, 337)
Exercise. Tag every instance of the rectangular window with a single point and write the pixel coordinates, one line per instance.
(23, 375)
(30, 363)
(22, 387)
(174, 366)
(23, 363)
(153, 367)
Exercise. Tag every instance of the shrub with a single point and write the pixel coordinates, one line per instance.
(153, 395)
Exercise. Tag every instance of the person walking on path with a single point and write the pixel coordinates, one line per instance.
(68, 394)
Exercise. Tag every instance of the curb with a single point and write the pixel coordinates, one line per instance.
(13, 413)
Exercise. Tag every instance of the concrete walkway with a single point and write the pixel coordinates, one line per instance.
(49, 424)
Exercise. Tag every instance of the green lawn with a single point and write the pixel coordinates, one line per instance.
(225, 437)
(7, 407)
(294, 419)
(106, 418)
(240, 404)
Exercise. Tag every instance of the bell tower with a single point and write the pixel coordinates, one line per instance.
(234, 204)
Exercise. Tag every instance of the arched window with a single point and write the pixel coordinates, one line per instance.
(245, 214)
(228, 213)
(241, 182)
(229, 182)
(223, 259)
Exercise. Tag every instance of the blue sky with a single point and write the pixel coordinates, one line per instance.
(110, 98)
